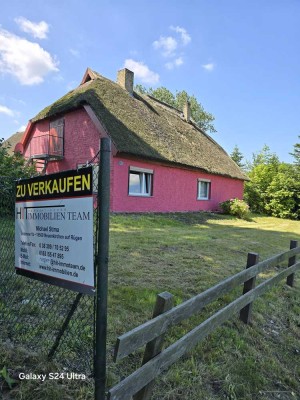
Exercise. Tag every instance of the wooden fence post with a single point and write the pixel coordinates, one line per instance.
(245, 313)
(164, 302)
(292, 260)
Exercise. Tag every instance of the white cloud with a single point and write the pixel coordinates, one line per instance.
(38, 30)
(168, 45)
(142, 71)
(209, 67)
(75, 53)
(185, 37)
(7, 111)
(176, 63)
(22, 128)
(25, 60)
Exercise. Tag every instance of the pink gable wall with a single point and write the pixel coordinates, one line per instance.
(174, 189)
(81, 140)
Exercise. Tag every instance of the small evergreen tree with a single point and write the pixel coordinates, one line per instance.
(264, 157)
(237, 157)
(296, 153)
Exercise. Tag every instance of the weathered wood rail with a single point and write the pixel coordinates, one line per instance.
(138, 385)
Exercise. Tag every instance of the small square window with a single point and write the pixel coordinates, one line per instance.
(203, 189)
(140, 182)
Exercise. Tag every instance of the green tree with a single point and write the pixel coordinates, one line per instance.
(201, 117)
(265, 156)
(283, 193)
(261, 177)
(274, 186)
(296, 153)
(237, 157)
(140, 89)
(163, 94)
(13, 166)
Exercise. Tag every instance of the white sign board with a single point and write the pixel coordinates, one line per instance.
(54, 229)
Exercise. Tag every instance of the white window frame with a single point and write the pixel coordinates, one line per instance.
(208, 182)
(144, 174)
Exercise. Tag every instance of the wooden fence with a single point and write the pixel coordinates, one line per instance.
(139, 384)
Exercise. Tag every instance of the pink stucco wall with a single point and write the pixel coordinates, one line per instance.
(81, 140)
(174, 189)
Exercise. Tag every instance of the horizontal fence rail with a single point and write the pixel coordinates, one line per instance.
(136, 338)
(135, 384)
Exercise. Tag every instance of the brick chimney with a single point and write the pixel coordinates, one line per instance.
(187, 111)
(125, 80)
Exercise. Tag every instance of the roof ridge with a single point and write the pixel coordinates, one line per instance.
(162, 102)
(154, 130)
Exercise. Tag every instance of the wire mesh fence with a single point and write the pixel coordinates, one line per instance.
(43, 318)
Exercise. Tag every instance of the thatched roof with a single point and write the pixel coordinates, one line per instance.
(11, 142)
(142, 126)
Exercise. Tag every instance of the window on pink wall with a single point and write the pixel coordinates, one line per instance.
(204, 186)
(56, 136)
(140, 182)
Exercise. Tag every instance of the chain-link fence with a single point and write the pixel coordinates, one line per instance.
(40, 317)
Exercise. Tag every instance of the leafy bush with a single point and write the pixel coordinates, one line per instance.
(283, 194)
(12, 167)
(236, 207)
(274, 189)
(225, 206)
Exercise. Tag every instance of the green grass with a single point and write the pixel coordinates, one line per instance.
(186, 254)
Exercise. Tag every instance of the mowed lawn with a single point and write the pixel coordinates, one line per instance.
(186, 254)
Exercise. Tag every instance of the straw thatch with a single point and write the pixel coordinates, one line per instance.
(142, 126)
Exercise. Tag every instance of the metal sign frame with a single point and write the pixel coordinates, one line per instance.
(54, 229)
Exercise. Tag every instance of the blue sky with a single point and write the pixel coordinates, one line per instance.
(240, 59)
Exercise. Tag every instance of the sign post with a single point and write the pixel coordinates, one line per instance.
(102, 272)
(54, 229)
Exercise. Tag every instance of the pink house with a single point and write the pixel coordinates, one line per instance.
(161, 160)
